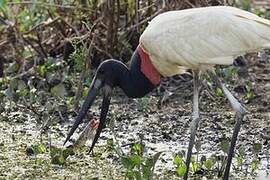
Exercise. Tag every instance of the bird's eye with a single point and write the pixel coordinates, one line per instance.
(101, 71)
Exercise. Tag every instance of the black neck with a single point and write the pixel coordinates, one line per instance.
(133, 81)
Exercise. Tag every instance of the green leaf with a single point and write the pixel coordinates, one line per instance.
(239, 161)
(224, 145)
(137, 175)
(131, 7)
(42, 69)
(208, 164)
(23, 92)
(181, 170)
(254, 164)
(3, 5)
(194, 166)
(85, 91)
(192, 159)
(130, 175)
(219, 92)
(39, 148)
(126, 162)
(136, 160)
(178, 160)
(137, 148)
(59, 156)
(146, 169)
(67, 152)
(257, 147)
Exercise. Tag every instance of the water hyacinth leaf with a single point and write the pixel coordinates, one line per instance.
(254, 164)
(42, 69)
(84, 92)
(208, 164)
(59, 90)
(219, 92)
(181, 170)
(41, 148)
(239, 161)
(194, 167)
(178, 160)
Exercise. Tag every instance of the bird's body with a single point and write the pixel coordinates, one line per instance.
(202, 37)
(195, 39)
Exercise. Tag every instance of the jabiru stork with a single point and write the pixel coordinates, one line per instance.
(173, 42)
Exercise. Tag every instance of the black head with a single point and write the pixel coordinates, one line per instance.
(105, 78)
(108, 72)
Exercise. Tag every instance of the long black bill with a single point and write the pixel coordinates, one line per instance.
(93, 91)
(103, 114)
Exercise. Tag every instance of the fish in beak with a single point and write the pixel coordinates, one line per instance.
(96, 85)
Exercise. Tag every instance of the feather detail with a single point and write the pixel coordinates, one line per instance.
(192, 38)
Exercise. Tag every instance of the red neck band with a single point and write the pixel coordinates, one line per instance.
(147, 68)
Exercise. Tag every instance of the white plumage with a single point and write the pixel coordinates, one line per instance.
(198, 39)
(202, 37)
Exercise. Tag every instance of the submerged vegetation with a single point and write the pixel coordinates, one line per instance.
(49, 52)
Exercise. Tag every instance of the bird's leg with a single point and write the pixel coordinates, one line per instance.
(240, 113)
(195, 119)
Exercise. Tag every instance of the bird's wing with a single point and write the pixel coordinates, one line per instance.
(200, 36)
